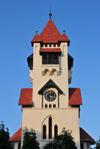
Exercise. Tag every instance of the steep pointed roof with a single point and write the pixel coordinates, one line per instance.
(64, 38)
(50, 33)
(36, 38)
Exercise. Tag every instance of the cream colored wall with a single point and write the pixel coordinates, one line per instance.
(86, 145)
(68, 118)
(63, 116)
(16, 145)
(61, 80)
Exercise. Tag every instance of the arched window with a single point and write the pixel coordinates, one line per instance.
(19, 146)
(82, 146)
(55, 130)
(46, 106)
(44, 131)
(50, 105)
(54, 106)
(50, 128)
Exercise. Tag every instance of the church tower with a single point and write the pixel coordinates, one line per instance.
(50, 105)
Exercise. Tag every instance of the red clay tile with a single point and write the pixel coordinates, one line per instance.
(50, 50)
(64, 38)
(26, 96)
(36, 38)
(50, 33)
(75, 96)
(16, 135)
(84, 136)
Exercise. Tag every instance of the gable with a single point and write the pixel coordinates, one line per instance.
(50, 84)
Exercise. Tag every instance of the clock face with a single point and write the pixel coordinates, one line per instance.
(50, 95)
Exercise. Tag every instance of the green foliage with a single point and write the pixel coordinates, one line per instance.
(4, 137)
(97, 144)
(62, 141)
(30, 140)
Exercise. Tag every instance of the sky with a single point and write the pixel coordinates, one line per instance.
(19, 21)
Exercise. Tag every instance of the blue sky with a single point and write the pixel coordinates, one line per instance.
(19, 21)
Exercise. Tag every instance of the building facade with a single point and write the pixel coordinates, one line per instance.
(51, 105)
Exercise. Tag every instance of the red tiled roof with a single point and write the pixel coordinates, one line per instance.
(75, 96)
(50, 50)
(50, 33)
(36, 38)
(85, 137)
(16, 135)
(64, 38)
(26, 96)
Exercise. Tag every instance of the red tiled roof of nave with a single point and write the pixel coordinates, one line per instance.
(26, 96)
(16, 135)
(50, 34)
(75, 96)
(36, 38)
(84, 136)
(50, 50)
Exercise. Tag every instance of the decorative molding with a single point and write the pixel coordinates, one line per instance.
(31, 76)
(50, 68)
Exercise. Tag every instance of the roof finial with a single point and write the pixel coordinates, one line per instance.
(36, 32)
(50, 13)
(63, 31)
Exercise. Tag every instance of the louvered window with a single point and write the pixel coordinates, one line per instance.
(50, 58)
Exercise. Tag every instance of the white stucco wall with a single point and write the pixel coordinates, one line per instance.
(61, 80)
(68, 118)
(86, 145)
(16, 145)
(64, 116)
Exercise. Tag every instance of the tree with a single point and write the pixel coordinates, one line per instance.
(97, 144)
(30, 140)
(62, 141)
(4, 137)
